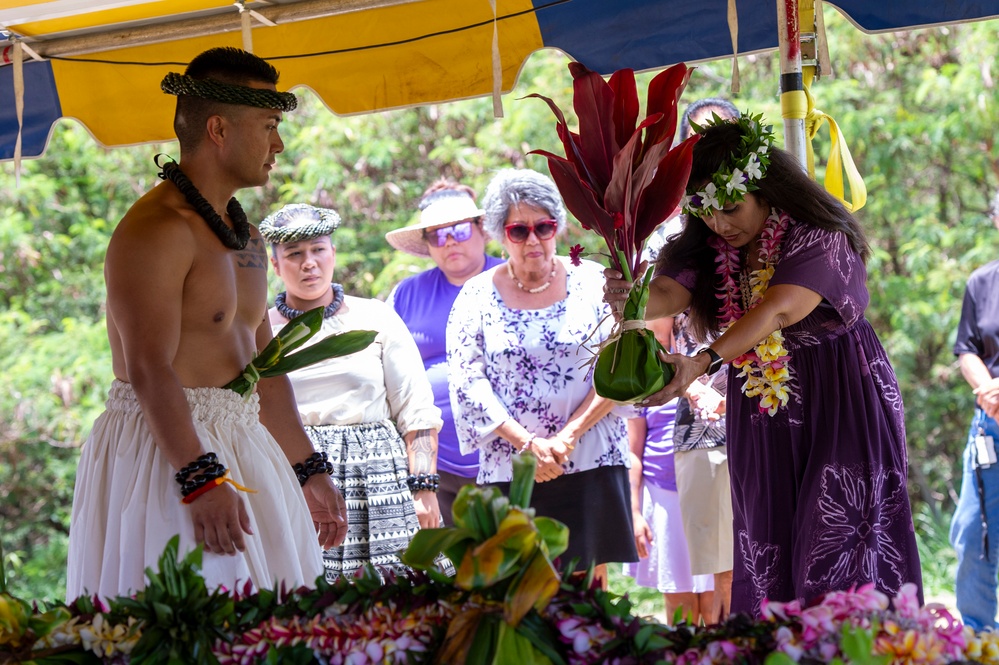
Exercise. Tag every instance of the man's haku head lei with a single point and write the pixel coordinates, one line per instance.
(298, 221)
(739, 172)
(228, 93)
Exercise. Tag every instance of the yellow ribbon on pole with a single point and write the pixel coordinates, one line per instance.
(794, 105)
(840, 160)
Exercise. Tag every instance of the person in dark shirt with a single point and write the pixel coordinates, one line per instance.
(974, 531)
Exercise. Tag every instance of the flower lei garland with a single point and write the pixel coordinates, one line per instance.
(855, 625)
(737, 175)
(765, 367)
(860, 624)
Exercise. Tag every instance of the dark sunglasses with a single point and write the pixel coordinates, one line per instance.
(461, 232)
(544, 230)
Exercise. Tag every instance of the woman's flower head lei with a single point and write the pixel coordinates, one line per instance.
(740, 172)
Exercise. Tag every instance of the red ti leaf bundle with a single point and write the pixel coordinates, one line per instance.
(621, 178)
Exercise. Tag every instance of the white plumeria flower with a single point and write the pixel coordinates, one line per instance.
(735, 185)
(753, 167)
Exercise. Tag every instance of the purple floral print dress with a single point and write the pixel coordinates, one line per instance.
(528, 365)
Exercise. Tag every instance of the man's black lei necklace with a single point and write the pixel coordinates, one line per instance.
(233, 238)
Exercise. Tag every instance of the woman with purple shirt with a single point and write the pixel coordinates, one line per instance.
(450, 233)
(771, 267)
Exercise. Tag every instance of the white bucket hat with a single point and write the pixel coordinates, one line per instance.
(447, 207)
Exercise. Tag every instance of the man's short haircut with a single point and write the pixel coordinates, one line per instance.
(228, 65)
(722, 107)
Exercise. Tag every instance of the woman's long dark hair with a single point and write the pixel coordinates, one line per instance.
(785, 186)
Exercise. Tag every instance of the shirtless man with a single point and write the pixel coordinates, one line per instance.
(186, 312)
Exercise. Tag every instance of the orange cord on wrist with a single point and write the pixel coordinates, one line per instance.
(212, 484)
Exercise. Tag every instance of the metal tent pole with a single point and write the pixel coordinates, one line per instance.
(793, 103)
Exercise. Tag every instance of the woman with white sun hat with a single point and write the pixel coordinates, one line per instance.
(449, 232)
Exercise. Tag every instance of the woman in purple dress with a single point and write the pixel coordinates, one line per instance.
(771, 269)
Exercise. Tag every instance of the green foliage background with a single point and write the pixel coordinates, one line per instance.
(918, 110)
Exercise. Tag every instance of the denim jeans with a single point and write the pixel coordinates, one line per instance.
(977, 581)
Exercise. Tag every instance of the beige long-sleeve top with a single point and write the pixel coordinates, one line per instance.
(386, 380)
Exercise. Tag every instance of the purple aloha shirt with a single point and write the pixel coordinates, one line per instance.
(528, 365)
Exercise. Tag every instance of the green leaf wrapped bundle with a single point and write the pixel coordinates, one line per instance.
(276, 358)
(628, 367)
(503, 555)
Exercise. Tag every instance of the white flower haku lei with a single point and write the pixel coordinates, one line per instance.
(739, 174)
(765, 367)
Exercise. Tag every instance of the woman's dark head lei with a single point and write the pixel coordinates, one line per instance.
(298, 221)
(228, 93)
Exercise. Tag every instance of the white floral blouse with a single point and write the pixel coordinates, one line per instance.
(528, 365)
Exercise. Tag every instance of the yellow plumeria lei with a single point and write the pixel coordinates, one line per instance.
(765, 367)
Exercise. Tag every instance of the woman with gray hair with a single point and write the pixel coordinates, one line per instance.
(516, 377)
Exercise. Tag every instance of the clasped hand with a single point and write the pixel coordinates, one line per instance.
(551, 454)
(706, 402)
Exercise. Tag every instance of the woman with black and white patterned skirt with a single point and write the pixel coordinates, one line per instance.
(371, 412)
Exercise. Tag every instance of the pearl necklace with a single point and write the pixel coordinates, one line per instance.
(537, 289)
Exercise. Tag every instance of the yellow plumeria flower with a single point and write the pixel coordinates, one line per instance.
(776, 375)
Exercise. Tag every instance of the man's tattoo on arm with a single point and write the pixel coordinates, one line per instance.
(254, 256)
(423, 452)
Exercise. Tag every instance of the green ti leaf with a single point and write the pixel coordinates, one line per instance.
(522, 486)
(312, 319)
(333, 346)
(857, 645)
(515, 647)
(427, 544)
(554, 535)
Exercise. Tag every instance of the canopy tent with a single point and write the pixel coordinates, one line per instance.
(101, 62)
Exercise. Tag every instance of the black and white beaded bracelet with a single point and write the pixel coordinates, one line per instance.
(423, 482)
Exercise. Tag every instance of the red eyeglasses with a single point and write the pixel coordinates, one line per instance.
(544, 229)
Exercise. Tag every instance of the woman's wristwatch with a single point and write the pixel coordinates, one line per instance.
(716, 360)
